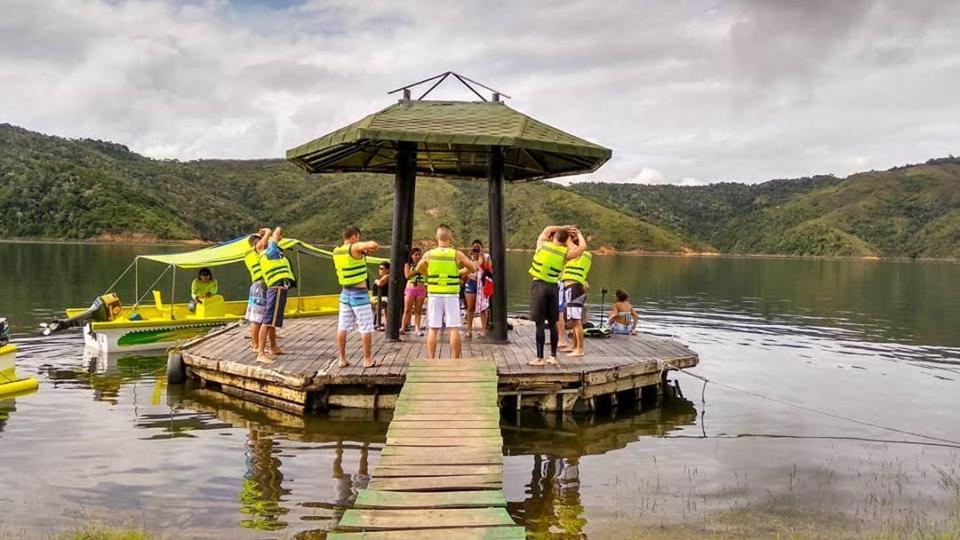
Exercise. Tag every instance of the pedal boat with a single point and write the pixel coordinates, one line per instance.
(110, 327)
(9, 382)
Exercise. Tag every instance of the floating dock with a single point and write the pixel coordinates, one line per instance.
(441, 471)
(306, 378)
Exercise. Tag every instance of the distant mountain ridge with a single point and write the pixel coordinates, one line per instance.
(51, 187)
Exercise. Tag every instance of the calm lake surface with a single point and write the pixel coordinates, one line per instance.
(106, 440)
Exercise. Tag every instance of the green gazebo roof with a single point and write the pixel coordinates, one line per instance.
(453, 140)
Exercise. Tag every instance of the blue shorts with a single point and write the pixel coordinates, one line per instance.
(470, 287)
(276, 303)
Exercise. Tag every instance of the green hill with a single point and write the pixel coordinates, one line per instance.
(51, 187)
(81, 189)
(911, 211)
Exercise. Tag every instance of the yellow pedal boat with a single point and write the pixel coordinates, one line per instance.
(9, 382)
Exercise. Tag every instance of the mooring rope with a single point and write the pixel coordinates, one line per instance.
(667, 367)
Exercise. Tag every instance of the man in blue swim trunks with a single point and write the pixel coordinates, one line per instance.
(350, 262)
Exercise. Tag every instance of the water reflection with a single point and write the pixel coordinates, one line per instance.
(261, 490)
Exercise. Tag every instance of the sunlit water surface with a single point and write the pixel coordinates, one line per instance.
(874, 344)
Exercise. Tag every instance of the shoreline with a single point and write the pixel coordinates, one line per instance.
(602, 251)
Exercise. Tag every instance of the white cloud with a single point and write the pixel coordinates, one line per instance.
(739, 90)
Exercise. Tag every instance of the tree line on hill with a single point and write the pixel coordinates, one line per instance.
(51, 187)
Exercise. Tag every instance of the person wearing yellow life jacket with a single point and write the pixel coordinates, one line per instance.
(257, 299)
(574, 291)
(554, 248)
(278, 278)
(443, 266)
(350, 263)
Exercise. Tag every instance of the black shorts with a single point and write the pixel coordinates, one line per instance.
(544, 302)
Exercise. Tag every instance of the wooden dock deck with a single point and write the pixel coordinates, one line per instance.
(307, 377)
(441, 473)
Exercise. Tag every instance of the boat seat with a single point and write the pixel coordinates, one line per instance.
(157, 302)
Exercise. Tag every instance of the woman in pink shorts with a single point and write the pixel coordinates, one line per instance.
(414, 294)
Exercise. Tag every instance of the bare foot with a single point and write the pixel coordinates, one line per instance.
(342, 362)
(536, 362)
(578, 354)
(369, 364)
(552, 361)
(265, 358)
(276, 352)
(566, 349)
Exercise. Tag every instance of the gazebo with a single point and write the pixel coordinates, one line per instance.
(456, 139)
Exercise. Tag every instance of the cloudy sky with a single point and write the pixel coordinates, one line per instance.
(683, 91)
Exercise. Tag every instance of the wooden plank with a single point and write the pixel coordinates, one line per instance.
(281, 392)
(367, 498)
(418, 455)
(475, 533)
(388, 471)
(437, 483)
(402, 422)
(450, 406)
(388, 519)
(261, 399)
(443, 432)
(488, 414)
(446, 441)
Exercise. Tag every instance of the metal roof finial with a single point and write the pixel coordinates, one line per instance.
(437, 79)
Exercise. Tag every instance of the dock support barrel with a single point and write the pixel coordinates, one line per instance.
(405, 185)
(498, 248)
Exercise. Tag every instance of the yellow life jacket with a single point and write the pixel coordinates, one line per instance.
(275, 270)
(443, 275)
(252, 260)
(350, 271)
(547, 262)
(577, 269)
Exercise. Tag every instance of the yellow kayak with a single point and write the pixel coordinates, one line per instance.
(9, 383)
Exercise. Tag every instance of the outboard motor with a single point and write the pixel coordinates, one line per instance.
(4, 332)
(104, 308)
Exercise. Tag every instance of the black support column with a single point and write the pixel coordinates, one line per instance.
(405, 186)
(498, 247)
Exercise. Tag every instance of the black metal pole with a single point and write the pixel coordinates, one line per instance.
(403, 194)
(498, 245)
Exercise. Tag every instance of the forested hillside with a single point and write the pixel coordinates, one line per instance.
(51, 187)
(910, 211)
(81, 189)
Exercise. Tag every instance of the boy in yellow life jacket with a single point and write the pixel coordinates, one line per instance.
(443, 267)
(573, 298)
(554, 248)
(278, 277)
(257, 295)
(350, 263)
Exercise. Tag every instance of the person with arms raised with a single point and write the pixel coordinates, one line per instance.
(278, 278)
(350, 262)
(554, 248)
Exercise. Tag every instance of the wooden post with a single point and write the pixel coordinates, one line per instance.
(404, 190)
(498, 241)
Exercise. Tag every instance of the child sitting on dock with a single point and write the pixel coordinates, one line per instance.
(623, 318)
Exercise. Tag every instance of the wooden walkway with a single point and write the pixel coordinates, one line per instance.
(441, 472)
(308, 377)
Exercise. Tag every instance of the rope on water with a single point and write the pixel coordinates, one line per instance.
(667, 367)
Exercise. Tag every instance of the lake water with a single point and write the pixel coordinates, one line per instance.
(816, 365)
